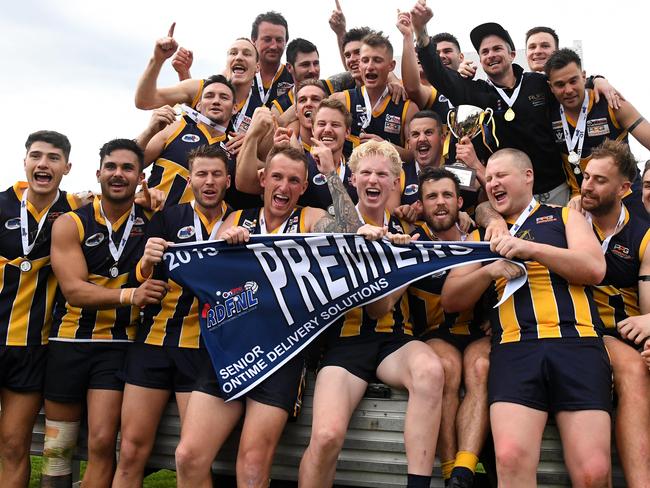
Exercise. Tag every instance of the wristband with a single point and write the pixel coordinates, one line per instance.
(122, 296)
(131, 296)
(644, 277)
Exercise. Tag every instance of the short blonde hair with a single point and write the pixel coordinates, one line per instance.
(375, 148)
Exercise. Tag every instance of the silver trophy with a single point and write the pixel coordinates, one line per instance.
(466, 121)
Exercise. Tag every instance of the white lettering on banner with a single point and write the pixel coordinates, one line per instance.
(249, 358)
(361, 262)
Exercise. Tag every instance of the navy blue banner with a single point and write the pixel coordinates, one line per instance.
(262, 303)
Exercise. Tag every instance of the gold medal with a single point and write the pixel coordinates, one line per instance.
(509, 115)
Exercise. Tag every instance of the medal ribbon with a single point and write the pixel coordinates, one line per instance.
(116, 252)
(510, 100)
(619, 225)
(280, 229)
(24, 223)
(260, 85)
(197, 223)
(579, 134)
(199, 117)
(522, 218)
(242, 113)
(371, 108)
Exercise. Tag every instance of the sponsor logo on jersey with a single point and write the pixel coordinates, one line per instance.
(94, 240)
(392, 124)
(546, 218)
(138, 221)
(597, 127)
(319, 179)
(411, 189)
(621, 251)
(537, 99)
(185, 232)
(13, 224)
(190, 138)
(249, 224)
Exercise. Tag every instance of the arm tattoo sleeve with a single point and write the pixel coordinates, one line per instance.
(345, 218)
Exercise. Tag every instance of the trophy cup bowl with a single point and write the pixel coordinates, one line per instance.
(466, 121)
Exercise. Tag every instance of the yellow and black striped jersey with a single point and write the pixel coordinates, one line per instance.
(546, 306)
(356, 322)
(617, 296)
(424, 301)
(601, 125)
(281, 84)
(250, 218)
(27, 295)
(388, 121)
(175, 321)
(118, 324)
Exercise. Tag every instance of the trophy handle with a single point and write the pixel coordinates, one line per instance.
(449, 124)
(491, 114)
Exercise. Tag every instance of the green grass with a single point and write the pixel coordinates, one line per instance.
(160, 479)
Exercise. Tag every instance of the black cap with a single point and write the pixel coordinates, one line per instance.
(480, 32)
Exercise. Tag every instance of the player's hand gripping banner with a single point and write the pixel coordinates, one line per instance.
(262, 303)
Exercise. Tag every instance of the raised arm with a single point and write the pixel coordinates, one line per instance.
(415, 90)
(248, 162)
(338, 25)
(152, 139)
(147, 94)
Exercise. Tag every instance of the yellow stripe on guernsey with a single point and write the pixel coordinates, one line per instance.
(20, 314)
(105, 319)
(190, 324)
(171, 171)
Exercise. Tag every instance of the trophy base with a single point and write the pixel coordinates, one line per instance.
(465, 174)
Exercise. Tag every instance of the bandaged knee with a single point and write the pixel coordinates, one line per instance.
(60, 442)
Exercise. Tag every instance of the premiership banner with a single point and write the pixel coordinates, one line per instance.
(261, 303)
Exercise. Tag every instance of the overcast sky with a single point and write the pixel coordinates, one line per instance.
(72, 65)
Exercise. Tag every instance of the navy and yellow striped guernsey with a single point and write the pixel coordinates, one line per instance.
(356, 322)
(387, 122)
(251, 219)
(118, 324)
(170, 171)
(175, 321)
(617, 296)
(426, 310)
(318, 193)
(27, 297)
(601, 125)
(546, 306)
(283, 103)
(281, 83)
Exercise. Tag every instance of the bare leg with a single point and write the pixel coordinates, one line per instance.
(208, 423)
(417, 368)
(632, 384)
(263, 426)
(472, 420)
(517, 432)
(586, 437)
(17, 419)
(104, 407)
(141, 412)
(452, 365)
(337, 393)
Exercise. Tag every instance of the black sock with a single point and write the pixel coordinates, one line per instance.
(418, 481)
(462, 472)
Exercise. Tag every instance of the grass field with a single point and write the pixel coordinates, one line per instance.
(160, 479)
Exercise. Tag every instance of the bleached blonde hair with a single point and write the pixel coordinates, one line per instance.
(376, 148)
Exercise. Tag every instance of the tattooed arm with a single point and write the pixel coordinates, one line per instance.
(345, 217)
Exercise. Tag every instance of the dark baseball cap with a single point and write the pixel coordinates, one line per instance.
(480, 32)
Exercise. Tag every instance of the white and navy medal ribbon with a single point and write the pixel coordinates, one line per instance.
(198, 231)
(116, 251)
(522, 218)
(510, 100)
(340, 170)
(197, 117)
(282, 228)
(365, 121)
(239, 118)
(26, 265)
(619, 225)
(260, 85)
(578, 135)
